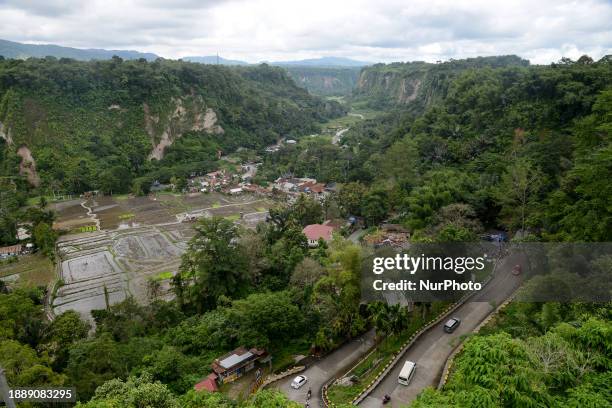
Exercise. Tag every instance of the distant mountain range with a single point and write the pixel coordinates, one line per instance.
(11, 49)
(212, 59)
(325, 62)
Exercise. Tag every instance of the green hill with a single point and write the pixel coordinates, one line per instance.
(418, 84)
(103, 124)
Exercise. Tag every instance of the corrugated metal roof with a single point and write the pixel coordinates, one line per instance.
(234, 359)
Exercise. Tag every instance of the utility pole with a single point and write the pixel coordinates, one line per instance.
(4, 390)
(217, 57)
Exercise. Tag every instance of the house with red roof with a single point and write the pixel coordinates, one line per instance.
(315, 232)
(208, 384)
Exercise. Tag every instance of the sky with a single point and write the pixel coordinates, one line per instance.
(542, 31)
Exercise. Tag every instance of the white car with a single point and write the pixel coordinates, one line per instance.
(299, 381)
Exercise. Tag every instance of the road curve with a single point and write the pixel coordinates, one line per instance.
(434, 347)
(321, 371)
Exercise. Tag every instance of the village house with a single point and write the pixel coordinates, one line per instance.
(314, 189)
(315, 232)
(208, 384)
(23, 231)
(213, 181)
(8, 251)
(235, 364)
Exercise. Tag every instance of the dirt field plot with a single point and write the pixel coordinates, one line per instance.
(71, 215)
(29, 270)
(110, 266)
(110, 213)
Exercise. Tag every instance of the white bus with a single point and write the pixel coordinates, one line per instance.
(407, 373)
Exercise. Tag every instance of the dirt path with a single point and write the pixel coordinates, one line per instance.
(91, 214)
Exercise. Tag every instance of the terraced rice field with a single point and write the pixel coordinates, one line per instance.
(121, 261)
(118, 258)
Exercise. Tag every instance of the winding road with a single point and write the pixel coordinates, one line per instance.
(430, 352)
(434, 347)
(320, 372)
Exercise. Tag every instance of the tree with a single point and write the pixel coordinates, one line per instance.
(94, 361)
(350, 198)
(336, 296)
(214, 262)
(266, 319)
(457, 223)
(21, 316)
(203, 399)
(135, 392)
(400, 162)
(65, 330)
(269, 399)
(172, 368)
(24, 368)
(44, 236)
(288, 251)
(374, 207)
(307, 273)
(306, 211)
(580, 210)
(519, 186)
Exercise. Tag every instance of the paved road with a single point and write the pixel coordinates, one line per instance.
(355, 236)
(433, 348)
(320, 372)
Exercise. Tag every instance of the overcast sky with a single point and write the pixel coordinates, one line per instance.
(374, 30)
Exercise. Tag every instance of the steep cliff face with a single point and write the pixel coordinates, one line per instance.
(325, 81)
(189, 114)
(415, 85)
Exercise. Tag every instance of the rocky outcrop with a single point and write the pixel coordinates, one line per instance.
(188, 114)
(5, 133)
(416, 85)
(409, 90)
(27, 167)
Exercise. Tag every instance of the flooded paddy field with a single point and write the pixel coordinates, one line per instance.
(107, 267)
(137, 239)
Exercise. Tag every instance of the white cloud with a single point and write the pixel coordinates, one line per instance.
(256, 30)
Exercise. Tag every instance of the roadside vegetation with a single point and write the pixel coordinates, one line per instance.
(553, 355)
(394, 325)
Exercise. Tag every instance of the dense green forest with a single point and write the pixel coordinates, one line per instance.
(488, 145)
(94, 125)
(497, 133)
